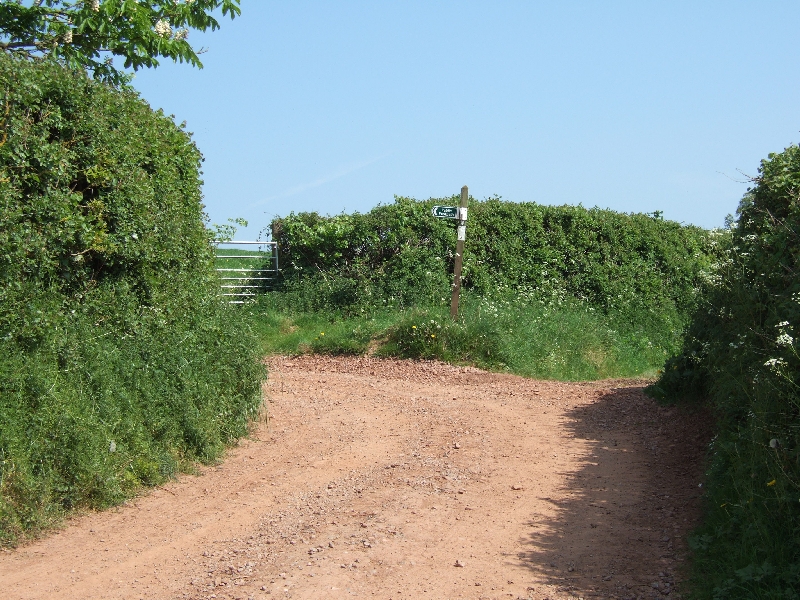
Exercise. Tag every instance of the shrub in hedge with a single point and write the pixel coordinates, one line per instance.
(119, 365)
(640, 265)
(396, 254)
(741, 356)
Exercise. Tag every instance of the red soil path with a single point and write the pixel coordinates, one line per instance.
(397, 479)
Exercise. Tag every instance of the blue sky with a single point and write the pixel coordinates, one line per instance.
(633, 106)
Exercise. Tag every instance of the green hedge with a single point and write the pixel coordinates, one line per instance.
(741, 356)
(118, 363)
(400, 254)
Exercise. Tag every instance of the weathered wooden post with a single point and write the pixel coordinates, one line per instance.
(462, 236)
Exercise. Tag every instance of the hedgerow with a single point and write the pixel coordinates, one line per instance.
(558, 292)
(741, 356)
(119, 365)
(640, 268)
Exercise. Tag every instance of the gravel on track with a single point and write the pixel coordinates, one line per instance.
(404, 479)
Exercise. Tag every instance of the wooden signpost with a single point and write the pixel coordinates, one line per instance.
(459, 213)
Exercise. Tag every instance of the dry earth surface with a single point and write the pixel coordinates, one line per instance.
(398, 479)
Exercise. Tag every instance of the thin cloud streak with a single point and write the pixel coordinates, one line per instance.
(341, 172)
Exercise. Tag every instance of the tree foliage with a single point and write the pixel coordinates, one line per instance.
(90, 33)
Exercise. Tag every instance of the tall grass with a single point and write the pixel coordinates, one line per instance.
(566, 340)
(104, 409)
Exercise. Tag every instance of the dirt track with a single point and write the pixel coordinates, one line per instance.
(394, 479)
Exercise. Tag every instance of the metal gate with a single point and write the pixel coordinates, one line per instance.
(246, 269)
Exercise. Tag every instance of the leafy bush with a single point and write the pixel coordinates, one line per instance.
(399, 255)
(119, 365)
(395, 255)
(741, 355)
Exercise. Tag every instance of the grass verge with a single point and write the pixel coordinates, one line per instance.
(96, 414)
(566, 341)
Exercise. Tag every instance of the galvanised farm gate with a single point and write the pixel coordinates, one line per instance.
(246, 268)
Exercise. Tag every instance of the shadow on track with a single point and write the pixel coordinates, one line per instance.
(621, 530)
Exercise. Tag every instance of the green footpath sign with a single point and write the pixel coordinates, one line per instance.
(445, 212)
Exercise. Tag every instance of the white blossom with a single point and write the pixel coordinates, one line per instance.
(181, 34)
(96, 5)
(163, 29)
(774, 363)
(784, 339)
(68, 37)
